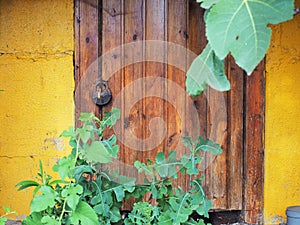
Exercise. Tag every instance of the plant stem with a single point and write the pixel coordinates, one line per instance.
(77, 151)
(63, 211)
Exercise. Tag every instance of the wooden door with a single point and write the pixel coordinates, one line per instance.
(144, 48)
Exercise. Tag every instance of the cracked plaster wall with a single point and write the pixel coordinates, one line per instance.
(36, 74)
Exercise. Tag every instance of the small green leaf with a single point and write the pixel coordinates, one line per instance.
(64, 166)
(26, 184)
(84, 117)
(206, 69)
(96, 152)
(115, 214)
(72, 195)
(85, 132)
(111, 146)
(102, 209)
(204, 208)
(142, 167)
(6, 209)
(112, 117)
(69, 133)
(84, 215)
(212, 147)
(240, 27)
(43, 201)
(188, 142)
(160, 158)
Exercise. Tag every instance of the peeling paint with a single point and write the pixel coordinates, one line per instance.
(54, 143)
(275, 220)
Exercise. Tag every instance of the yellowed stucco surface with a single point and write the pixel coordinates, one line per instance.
(282, 135)
(36, 74)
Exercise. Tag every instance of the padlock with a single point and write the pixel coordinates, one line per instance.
(101, 94)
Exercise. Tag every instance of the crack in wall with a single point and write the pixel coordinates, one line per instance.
(18, 156)
(38, 55)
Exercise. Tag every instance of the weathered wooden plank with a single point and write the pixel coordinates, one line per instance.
(235, 111)
(86, 65)
(217, 130)
(155, 81)
(177, 34)
(216, 170)
(254, 145)
(111, 35)
(196, 122)
(133, 83)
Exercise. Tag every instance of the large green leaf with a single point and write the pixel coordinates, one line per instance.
(240, 27)
(43, 201)
(207, 68)
(33, 219)
(64, 167)
(84, 215)
(97, 152)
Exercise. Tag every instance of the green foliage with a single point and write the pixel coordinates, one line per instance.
(84, 214)
(45, 200)
(88, 194)
(142, 214)
(238, 27)
(173, 205)
(3, 218)
(206, 69)
(71, 200)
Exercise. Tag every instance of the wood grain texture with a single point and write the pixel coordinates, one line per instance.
(235, 111)
(254, 145)
(144, 90)
(110, 37)
(155, 118)
(175, 109)
(134, 15)
(216, 171)
(86, 55)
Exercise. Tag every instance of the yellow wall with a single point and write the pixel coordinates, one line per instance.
(36, 74)
(282, 137)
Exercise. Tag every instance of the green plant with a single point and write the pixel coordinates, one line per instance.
(173, 205)
(8, 212)
(81, 195)
(88, 194)
(224, 20)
